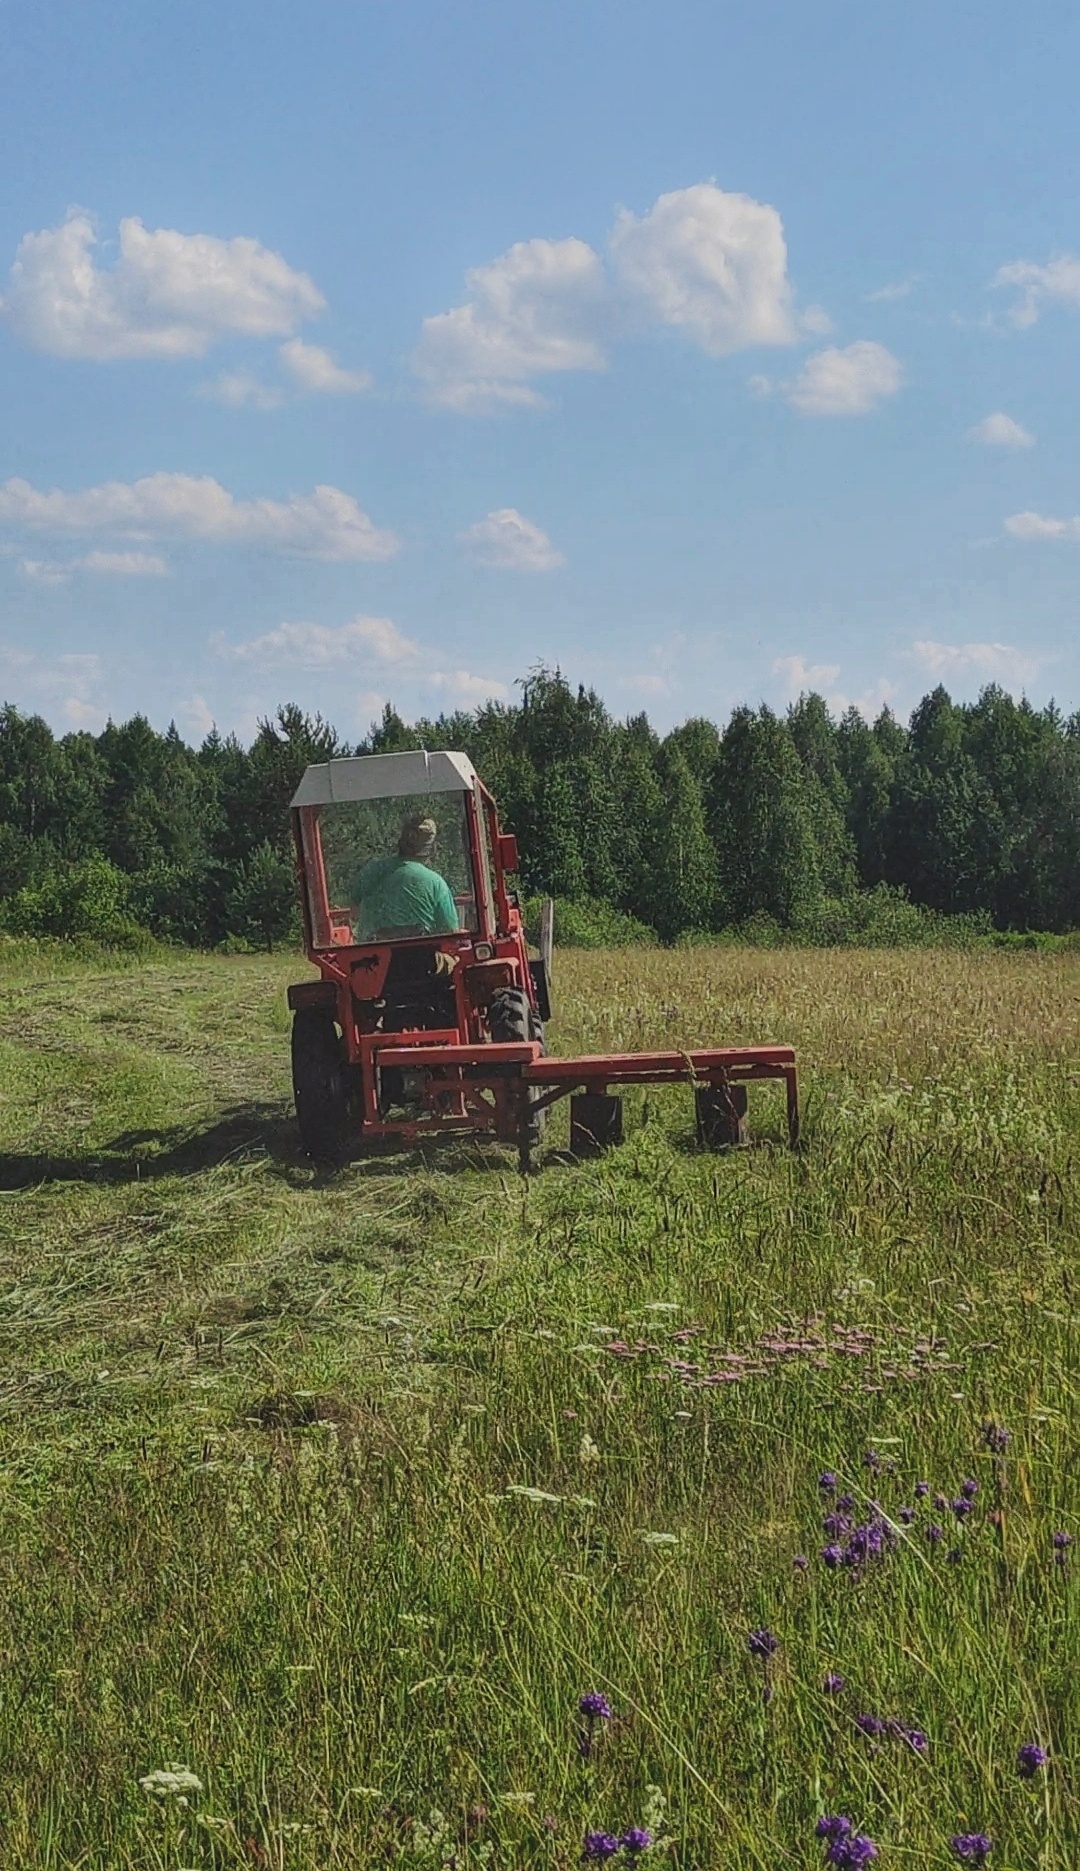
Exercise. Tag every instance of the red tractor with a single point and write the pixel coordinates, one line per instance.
(408, 1033)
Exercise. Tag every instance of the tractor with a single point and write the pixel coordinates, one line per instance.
(414, 1029)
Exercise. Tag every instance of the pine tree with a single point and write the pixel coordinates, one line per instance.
(761, 823)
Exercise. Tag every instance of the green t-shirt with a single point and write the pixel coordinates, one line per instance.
(399, 894)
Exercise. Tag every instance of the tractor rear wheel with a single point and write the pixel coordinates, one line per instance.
(512, 1016)
(320, 1085)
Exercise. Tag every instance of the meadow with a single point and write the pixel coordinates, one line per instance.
(326, 1499)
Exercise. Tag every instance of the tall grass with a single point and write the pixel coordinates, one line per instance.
(340, 1492)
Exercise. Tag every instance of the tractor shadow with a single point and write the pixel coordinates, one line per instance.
(266, 1130)
(263, 1132)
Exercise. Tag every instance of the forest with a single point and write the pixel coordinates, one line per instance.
(795, 824)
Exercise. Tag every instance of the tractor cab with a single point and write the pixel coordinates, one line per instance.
(411, 921)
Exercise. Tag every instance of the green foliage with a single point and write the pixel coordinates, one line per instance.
(589, 924)
(88, 898)
(262, 904)
(772, 825)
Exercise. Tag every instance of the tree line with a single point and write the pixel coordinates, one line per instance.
(971, 809)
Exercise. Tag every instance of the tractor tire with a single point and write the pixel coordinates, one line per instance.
(511, 1016)
(320, 1085)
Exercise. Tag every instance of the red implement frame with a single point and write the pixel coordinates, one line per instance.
(496, 1087)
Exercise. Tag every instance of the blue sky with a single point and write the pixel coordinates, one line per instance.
(354, 351)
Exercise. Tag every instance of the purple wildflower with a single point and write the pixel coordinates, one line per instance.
(845, 1502)
(870, 1725)
(935, 1533)
(915, 1739)
(832, 1555)
(1062, 1541)
(834, 1683)
(599, 1845)
(996, 1438)
(973, 1847)
(762, 1643)
(595, 1707)
(954, 1556)
(872, 1460)
(969, 1489)
(1030, 1758)
(961, 1507)
(636, 1840)
(835, 1525)
(922, 1489)
(851, 1853)
(827, 1482)
(906, 1515)
(833, 1826)
(800, 1562)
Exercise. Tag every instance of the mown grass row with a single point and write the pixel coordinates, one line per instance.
(341, 1492)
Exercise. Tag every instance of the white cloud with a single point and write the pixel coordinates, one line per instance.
(197, 718)
(238, 389)
(324, 646)
(168, 294)
(315, 370)
(124, 564)
(847, 381)
(67, 688)
(1028, 526)
(1057, 282)
(101, 564)
(325, 524)
(713, 264)
(534, 310)
(508, 541)
(466, 690)
(1000, 431)
(885, 295)
(800, 676)
(995, 661)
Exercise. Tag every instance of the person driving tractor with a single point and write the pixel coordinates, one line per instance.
(404, 894)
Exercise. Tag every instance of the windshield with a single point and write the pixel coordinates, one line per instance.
(397, 866)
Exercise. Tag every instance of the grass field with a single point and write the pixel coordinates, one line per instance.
(340, 1492)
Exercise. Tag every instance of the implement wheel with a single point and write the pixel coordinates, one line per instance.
(320, 1085)
(721, 1117)
(512, 1016)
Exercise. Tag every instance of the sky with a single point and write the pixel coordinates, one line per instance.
(358, 350)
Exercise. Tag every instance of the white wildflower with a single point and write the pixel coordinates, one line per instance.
(174, 1781)
(588, 1453)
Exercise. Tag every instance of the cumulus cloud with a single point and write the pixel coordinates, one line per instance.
(239, 389)
(1000, 662)
(316, 371)
(713, 264)
(507, 540)
(325, 524)
(885, 295)
(1000, 431)
(66, 687)
(534, 310)
(1028, 526)
(846, 381)
(800, 676)
(101, 564)
(167, 295)
(465, 690)
(324, 646)
(1056, 283)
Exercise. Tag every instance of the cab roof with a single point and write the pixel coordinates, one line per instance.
(384, 776)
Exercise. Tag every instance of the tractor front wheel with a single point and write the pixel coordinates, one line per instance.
(512, 1017)
(320, 1085)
